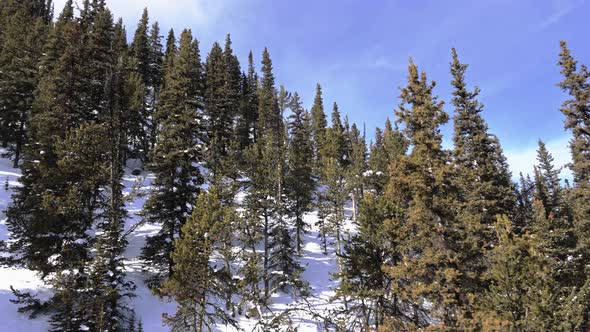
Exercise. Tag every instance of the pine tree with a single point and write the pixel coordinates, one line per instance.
(265, 171)
(31, 217)
(81, 205)
(195, 285)
(155, 78)
(378, 164)
(389, 145)
(363, 282)
(483, 182)
(77, 104)
(220, 105)
(521, 296)
(248, 112)
(140, 54)
(318, 121)
(174, 159)
(140, 48)
(577, 113)
(334, 195)
(21, 45)
(170, 52)
(97, 52)
(358, 166)
(419, 189)
(108, 309)
(299, 182)
(524, 204)
(548, 187)
(233, 78)
(67, 314)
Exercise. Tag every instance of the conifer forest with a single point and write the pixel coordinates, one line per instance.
(153, 183)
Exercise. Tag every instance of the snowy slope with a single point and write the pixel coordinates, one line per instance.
(150, 308)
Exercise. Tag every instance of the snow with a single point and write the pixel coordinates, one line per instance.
(149, 308)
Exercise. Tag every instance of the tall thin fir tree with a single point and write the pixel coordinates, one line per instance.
(175, 158)
(419, 189)
(155, 79)
(552, 229)
(577, 118)
(334, 196)
(221, 105)
(285, 268)
(264, 171)
(140, 55)
(248, 111)
(299, 182)
(483, 183)
(357, 167)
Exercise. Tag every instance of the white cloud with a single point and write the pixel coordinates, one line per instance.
(384, 63)
(561, 9)
(523, 159)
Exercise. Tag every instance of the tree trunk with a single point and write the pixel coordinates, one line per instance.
(19, 140)
(354, 207)
(266, 253)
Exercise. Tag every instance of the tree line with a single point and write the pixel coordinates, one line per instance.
(443, 239)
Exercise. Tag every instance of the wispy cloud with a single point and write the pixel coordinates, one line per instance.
(522, 159)
(563, 7)
(385, 63)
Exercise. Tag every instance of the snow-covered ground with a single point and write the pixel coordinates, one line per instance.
(149, 308)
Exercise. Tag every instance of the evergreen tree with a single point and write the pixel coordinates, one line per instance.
(264, 169)
(108, 310)
(318, 121)
(363, 282)
(155, 78)
(22, 35)
(358, 166)
(233, 82)
(97, 52)
(389, 145)
(524, 204)
(142, 54)
(378, 163)
(577, 114)
(334, 195)
(81, 207)
(483, 182)
(170, 52)
(318, 133)
(299, 182)
(221, 103)
(195, 285)
(174, 159)
(248, 112)
(285, 270)
(420, 191)
(548, 187)
(521, 296)
(31, 217)
(140, 48)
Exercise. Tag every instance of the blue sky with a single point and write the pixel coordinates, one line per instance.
(358, 51)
